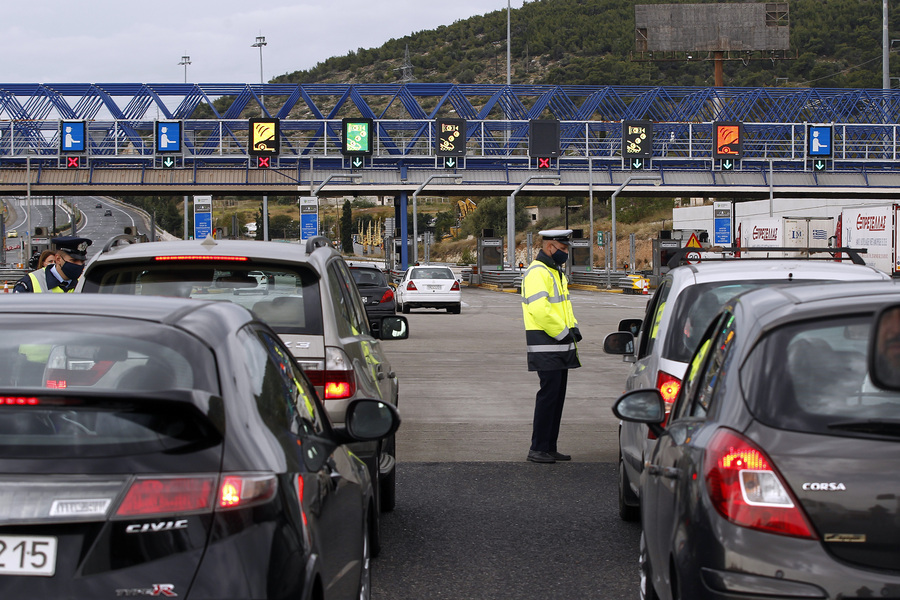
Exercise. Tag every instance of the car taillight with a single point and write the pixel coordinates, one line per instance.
(454, 287)
(668, 386)
(177, 495)
(388, 296)
(338, 380)
(19, 400)
(746, 489)
(411, 286)
(162, 495)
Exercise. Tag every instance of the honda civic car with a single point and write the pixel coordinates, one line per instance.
(174, 448)
(660, 344)
(775, 474)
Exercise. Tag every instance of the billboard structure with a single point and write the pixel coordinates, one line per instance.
(719, 32)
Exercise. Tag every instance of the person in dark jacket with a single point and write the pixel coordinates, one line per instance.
(63, 274)
(551, 334)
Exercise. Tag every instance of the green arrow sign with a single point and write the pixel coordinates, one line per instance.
(637, 163)
(727, 165)
(168, 162)
(357, 162)
(449, 162)
(819, 165)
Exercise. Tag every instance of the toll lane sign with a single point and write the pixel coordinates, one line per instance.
(451, 137)
(265, 137)
(728, 140)
(637, 139)
(73, 136)
(818, 141)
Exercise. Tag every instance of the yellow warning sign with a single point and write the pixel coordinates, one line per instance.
(693, 258)
(693, 242)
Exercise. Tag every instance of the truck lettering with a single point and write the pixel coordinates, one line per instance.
(765, 233)
(871, 223)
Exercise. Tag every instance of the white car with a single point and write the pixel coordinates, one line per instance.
(429, 287)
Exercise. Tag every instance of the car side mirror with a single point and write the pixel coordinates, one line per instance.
(642, 406)
(390, 328)
(368, 420)
(884, 349)
(619, 342)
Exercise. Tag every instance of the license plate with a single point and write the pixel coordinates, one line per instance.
(27, 555)
(434, 287)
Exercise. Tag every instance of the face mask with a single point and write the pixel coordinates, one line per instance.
(560, 257)
(71, 270)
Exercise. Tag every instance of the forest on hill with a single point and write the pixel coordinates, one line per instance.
(835, 44)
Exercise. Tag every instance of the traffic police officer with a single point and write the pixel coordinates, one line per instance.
(551, 333)
(61, 277)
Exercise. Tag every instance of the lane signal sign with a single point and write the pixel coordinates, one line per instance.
(263, 162)
(168, 162)
(637, 164)
(543, 163)
(73, 162)
(451, 162)
(728, 164)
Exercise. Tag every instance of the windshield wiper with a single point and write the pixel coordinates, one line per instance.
(879, 426)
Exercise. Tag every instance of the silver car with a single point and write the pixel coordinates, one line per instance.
(661, 344)
(304, 292)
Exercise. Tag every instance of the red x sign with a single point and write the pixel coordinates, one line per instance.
(73, 162)
(543, 163)
(263, 162)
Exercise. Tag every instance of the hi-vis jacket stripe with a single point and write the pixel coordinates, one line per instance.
(548, 317)
(37, 288)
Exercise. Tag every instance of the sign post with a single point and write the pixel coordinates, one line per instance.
(202, 217)
(309, 217)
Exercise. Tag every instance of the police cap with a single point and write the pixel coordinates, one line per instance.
(76, 247)
(563, 236)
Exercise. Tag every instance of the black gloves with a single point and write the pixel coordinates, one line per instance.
(576, 334)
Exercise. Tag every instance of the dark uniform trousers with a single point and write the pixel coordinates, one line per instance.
(548, 409)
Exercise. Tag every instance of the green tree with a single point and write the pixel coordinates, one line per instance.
(491, 214)
(347, 228)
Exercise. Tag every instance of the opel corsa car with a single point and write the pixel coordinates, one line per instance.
(677, 314)
(775, 475)
(377, 295)
(173, 448)
(429, 286)
(309, 299)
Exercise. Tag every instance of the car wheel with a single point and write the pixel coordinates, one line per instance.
(365, 571)
(404, 308)
(648, 592)
(628, 509)
(387, 486)
(455, 309)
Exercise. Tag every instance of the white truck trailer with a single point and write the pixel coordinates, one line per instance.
(785, 232)
(875, 228)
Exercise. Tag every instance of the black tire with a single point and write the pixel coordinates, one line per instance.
(404, 308)
(387, 485)
(648, 592)
(629, 506)
(368, 553)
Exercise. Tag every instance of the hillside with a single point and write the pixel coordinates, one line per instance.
(589, 42)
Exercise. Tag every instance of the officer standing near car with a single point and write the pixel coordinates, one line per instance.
(60, 277)
(551, 334)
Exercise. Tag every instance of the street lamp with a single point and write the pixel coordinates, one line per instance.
(260, 42)
(185, 60)
(456, 178)
(511, 215)
(656, 179)
(353, 177)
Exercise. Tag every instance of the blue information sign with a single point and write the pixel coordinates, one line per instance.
(309, 226)
(818, 140)
(168, 136)
(722, 223)
(73, 136)
(202, 217)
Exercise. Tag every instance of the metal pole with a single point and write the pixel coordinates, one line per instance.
(265, 218)
(885, 48)
(591, 207)
(508, 43)
(416, 214)
(511, 216)
(771, 186)
(185, 236)
(612, 240)
(28, 230)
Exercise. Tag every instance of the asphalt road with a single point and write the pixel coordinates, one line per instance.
(474, 520)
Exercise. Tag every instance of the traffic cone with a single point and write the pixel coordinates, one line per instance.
(5, 287)
(645, 284)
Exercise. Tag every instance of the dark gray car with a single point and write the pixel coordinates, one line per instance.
(775, 475)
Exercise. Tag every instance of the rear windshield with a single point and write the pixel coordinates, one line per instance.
(286, 298)
(368, 277)
(426, 273)
(813, 377)
(105, 363)
(694, 310)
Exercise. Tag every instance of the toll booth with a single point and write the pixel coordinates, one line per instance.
(393, 252)
(490, 254)
(581, 255)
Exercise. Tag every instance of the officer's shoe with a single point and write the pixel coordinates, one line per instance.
(559, 455)
(540, 457)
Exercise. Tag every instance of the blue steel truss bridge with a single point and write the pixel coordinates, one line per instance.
(120, 153)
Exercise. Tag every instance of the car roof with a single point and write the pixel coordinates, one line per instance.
(747, 269)
(773, 303)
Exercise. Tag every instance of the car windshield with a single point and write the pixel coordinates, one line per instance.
(108, 361)
(368, 277)
(286, 298)
(431, 273)
(694, 310)
(813, 377)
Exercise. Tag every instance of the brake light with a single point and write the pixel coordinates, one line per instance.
(388, 296)
(668, 386)
(202, 257)
(411, 286)
(746, 488)
(338, 380)
(241, 491)
(19, 400)
(454, 287)
(168, 495)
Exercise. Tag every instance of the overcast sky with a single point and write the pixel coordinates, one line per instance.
(127, 41)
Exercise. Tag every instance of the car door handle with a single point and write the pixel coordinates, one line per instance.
(379, 372)
(652, 469)
(671, 473)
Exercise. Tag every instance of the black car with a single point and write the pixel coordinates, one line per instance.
(775, 475)
(107, 213)
(373, 287)
(172, 447)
